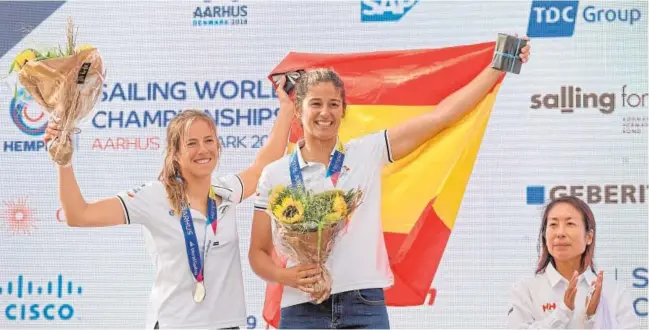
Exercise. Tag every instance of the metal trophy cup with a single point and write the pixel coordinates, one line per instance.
(291, 79)
(507, 54)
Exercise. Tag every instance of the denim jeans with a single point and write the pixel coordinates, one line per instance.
(352, 309)
(157, 326)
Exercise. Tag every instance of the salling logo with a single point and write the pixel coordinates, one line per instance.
(41, 302)
(571, 99)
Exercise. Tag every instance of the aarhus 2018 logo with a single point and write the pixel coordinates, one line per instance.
(210, 15)
(36, 302)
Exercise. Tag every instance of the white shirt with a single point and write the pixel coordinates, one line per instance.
(172, 304)
(537, 303)
(359, 258)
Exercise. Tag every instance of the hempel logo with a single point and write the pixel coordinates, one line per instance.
(591, 194)
(552, 19)
(385, 10)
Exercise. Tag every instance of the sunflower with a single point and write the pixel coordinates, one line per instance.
(339, 205)
(339, 210)
(22, 59)
(290, 211)
(274, 194)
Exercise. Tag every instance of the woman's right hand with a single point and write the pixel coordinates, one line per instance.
(52, 131)
(302, 277)
(571, 292)
(281, 94)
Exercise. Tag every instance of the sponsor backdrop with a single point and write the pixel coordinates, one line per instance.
(574, 122)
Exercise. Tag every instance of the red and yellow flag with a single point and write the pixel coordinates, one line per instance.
(422, 192)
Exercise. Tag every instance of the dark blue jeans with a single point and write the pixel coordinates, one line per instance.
(356, 309)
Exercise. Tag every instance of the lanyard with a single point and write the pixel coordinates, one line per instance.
(333, 171)
(191, 242)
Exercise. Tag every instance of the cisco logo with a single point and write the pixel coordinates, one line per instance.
(41, 302)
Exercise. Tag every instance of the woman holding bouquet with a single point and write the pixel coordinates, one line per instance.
(358, 261)
(191, 219)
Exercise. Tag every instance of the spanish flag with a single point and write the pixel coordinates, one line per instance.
(422, 192)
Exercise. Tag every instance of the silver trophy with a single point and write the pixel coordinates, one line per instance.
(507, 54)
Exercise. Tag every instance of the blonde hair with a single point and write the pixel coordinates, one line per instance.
(170, 175)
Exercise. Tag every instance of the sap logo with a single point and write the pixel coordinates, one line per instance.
(552, 19)
(385, 10)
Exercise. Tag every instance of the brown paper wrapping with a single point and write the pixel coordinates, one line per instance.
(302, 247)
(68, 89)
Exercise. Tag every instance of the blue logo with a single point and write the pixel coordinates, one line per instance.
(27, 114)
(210, 16)
(53, 307)
(552, 19)
(30, 119)
(535, 195)
(555, 19)
(385, 10)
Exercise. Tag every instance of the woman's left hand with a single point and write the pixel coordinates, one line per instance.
(525, 51)
(591, 305)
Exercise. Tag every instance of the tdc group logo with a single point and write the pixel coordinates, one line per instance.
(32, 301)
(385, 10)
(552, 19)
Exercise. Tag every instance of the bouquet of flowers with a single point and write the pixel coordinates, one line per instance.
(64, 82)
(307, 225)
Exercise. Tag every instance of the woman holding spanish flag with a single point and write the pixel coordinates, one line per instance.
(358, 260)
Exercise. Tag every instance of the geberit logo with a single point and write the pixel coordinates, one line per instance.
(591, 193)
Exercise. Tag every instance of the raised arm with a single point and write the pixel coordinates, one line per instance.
(410, 135)
(78, 212)
(275, 146)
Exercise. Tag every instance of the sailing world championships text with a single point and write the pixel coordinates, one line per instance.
(221, 91)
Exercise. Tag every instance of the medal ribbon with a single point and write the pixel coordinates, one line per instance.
(191, 242)
(333, 171)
